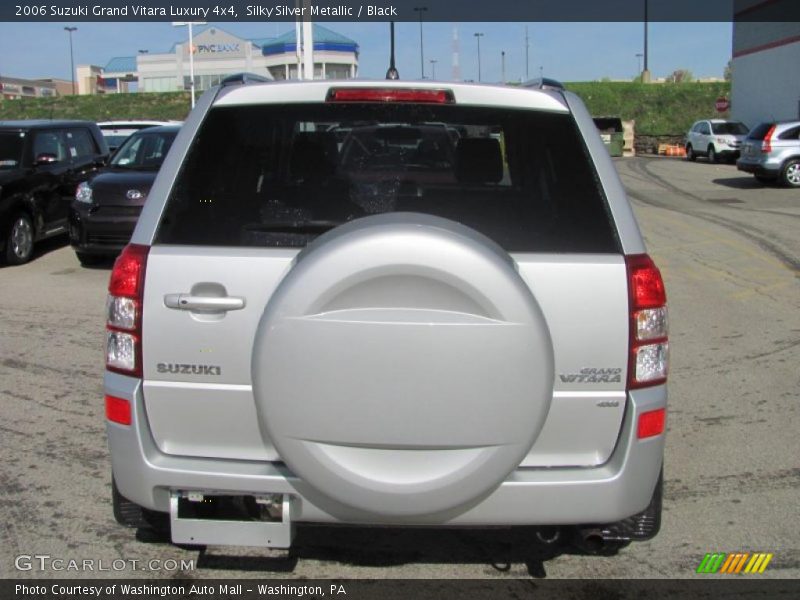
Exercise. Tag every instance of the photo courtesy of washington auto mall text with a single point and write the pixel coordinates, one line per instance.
(170, 590)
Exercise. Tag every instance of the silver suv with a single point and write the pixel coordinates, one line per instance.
(387, 303)
(771, 152)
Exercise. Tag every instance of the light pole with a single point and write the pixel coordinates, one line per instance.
(478, 37)
(646, 72)
(71, 59)
(526, 53)
(420, 10)
(191, 50)
(503, 67)
(433, 62)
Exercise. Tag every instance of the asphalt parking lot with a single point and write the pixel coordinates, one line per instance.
(730, 252)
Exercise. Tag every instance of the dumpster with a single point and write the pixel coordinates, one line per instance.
(611, 131)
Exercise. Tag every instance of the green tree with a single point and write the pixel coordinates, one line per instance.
(681, 76)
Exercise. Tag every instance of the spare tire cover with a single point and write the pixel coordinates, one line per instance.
(402, 367)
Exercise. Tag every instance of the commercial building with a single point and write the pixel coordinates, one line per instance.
(13, 88)
(766, 56)
(216, 54)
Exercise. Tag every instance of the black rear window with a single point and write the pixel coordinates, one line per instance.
(729, 128)
(790, 134)
(759, 132)
(608, 124)
(280, 175)
(11, 143)
(143, 151)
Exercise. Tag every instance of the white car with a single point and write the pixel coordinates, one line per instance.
(715, 139)
(116, 132)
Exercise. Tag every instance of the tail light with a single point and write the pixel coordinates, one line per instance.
(649, 347)
(424, 96)
(766, 145)
(124, 311)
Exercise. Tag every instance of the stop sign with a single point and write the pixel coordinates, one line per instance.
(722, 104)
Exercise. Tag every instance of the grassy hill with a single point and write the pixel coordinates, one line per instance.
(659, 109)
(106, 107)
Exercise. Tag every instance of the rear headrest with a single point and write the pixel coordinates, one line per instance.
(479, 160)
(314, 155)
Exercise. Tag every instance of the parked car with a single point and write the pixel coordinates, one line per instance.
(117, 132)
(41, 163)
(289, 343)
(107, 206)
(771, 152)
(716, 139)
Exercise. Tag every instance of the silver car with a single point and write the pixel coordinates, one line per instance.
(387, 303)
(771, 152)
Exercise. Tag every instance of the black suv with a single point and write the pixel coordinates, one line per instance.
(41, 165)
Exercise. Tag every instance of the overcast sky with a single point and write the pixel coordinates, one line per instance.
(565, 51)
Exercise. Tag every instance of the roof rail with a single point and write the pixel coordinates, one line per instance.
(544, 83)
(243, 79)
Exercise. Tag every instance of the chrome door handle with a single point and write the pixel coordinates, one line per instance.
(203, 303)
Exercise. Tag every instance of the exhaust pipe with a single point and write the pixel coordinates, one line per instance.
(590, 540)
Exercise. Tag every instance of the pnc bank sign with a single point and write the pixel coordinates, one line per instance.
(216, 48)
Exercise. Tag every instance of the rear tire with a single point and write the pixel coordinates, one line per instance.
(19, 240)
(89, 260)
(690, 155)
(790, 174)
(130, 514)
(126, 512)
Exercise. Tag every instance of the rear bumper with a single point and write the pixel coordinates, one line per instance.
(529, 496)
(729, 153)
(758, 169)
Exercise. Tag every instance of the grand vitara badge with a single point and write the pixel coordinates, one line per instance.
(593, 375)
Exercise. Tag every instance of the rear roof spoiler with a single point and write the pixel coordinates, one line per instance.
(544, 83)
(243, 79)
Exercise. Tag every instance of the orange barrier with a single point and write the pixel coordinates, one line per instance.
(672, 150)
